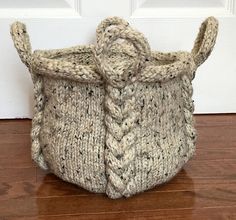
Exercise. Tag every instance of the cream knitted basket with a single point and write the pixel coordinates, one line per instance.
(114, 117)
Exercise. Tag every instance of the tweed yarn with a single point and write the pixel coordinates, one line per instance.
(115, 117)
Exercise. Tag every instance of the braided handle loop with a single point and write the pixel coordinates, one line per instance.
(22, 42)
(108, 22)
(205, 40)
(124, 69)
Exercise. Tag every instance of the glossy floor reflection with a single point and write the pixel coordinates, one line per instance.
(204, 189)
(73, 200)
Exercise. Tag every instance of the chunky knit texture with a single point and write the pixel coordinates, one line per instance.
(114, 117)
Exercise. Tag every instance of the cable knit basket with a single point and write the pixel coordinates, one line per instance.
(114, 117)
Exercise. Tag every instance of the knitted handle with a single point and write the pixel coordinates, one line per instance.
(205, 40)
(22, 42)
(108, 22)
(120, 75)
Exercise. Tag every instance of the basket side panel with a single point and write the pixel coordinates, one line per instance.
(72, 132)
(163, 146)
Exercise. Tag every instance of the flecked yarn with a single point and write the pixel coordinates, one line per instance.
(114, 117)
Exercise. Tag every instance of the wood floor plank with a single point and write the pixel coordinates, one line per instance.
(211, 169)
(211, 153)
(17, 174)
(16, 156)
(181, 182)
(215, 120)
(207, 135)
(16, 126)
(29, 206)
(14, 139)
(225, 213)
(60, 188)
(35, 189)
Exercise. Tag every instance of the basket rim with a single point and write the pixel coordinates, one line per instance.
(45, 63)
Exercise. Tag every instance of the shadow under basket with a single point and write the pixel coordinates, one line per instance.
(114, 117)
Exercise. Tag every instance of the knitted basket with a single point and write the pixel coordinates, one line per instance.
(114, 117)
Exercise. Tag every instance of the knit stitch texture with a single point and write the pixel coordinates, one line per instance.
(114, 117)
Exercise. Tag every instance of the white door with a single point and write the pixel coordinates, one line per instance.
(169, 25)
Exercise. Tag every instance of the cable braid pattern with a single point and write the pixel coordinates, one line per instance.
(188, 108)
(36, 150)
(121, 121)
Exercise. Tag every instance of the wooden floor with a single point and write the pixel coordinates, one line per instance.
(204, 189)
